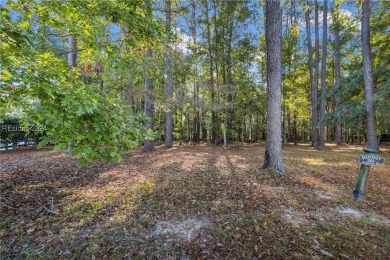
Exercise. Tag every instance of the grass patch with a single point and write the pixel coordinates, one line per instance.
(44, 153)
(83, 209)
(5, 223)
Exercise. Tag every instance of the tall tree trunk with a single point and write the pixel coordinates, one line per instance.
(148, 105)
(168, 69)
(337, 72)
(368, 77)
(211, 68)
(316, 73)
(196, 135)
(273, 34)
(314, 86)
(323, 71)
(229, 65)
(148, 88)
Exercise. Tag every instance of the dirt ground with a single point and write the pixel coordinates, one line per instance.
(193, 202)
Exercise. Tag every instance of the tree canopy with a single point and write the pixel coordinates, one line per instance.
(212, 55)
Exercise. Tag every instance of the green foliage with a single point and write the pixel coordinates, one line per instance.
(97, 106)
(74, 105)
(351, 87)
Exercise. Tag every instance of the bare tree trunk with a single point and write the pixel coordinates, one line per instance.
(368, 77)
(273, 34)
(316, 73)
(188, 123)
(204, 129)
(229, 110)
(148, 105)
(196, 134)
(148, 88)
(211, 68)
(337, 72)
(323, 71)
(250, 128)
(243, 131)
(168, 69)
(225, 144)
(314, 86)
(72, 50)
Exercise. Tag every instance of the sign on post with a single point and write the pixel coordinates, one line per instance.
(366, 161)
(370, 159)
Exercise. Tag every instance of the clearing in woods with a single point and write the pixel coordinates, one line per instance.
(192, 202)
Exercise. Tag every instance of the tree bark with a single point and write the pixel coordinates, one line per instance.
(314, 111)
(225, 144)
(196, 134)
(323, 71)
(368, 77)
(168, 70)
(148, 105)
(316, 73)
(148, 88)
(229, 65)
(72, 50)
(211, 68)
(337, 72)
(273, 34)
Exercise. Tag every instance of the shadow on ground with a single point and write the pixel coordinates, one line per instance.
(191, 202)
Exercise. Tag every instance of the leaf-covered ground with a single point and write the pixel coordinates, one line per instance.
(193, 202)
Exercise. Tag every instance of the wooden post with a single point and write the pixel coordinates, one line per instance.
(366, 160)
(360, 191)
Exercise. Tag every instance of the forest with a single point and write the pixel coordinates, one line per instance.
(193, 129)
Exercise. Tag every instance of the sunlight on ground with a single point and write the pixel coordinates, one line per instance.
(193, 201)
(321, 162)
(186, 229)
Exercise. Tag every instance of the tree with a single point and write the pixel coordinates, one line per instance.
(273, 34)
(315, 80)
(368, 76)
(313, 68)
(211, 72)
(196, 117)
(169, 80)
(323, 71)
(337, 67)
(148, 88)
